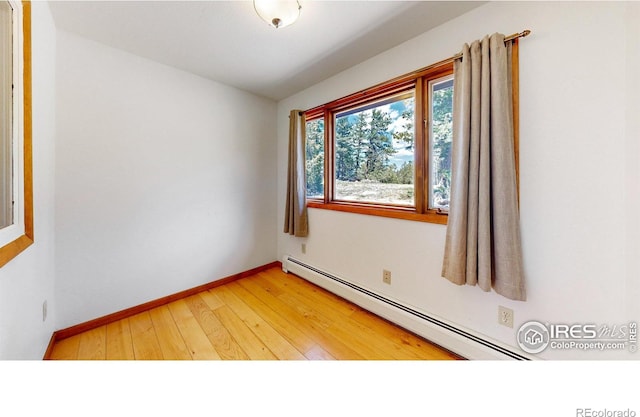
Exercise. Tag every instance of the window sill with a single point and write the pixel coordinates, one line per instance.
(382, 211)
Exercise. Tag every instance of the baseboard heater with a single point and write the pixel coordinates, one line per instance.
(453, 338)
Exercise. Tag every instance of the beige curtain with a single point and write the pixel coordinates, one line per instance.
(483, 233)
(295, 218)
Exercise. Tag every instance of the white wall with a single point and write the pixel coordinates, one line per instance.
(28, 280)
(579, 176)
(632, 167)
(164, 180)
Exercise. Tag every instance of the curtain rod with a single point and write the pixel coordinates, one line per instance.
(522, 34)
(509, 38)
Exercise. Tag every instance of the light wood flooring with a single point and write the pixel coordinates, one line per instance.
(270, 315)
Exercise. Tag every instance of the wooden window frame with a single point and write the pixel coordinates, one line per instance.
(416, 83)
(419, 81)
(17, 246)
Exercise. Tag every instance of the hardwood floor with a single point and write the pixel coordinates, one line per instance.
(269, 315)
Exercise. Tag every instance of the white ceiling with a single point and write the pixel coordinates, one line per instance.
(227, 42)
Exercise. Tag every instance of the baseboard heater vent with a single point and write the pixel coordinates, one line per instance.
(489, 349)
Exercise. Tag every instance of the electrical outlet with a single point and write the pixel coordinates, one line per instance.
(505, 316)
(303, 248)
(44, 310)
(386, 276)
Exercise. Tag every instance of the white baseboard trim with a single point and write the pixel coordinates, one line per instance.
(454, 338)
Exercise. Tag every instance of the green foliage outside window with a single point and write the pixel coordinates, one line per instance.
(315, 158)
(441, 136)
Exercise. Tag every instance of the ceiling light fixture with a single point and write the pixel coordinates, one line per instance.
(278, 13)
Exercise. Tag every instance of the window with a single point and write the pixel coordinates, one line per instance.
(440, 136)
(314, 153)
(6, 116)
(374, 152)
(16, 200)
(386, 150)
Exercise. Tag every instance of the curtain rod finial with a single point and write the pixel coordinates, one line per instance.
(525, 32)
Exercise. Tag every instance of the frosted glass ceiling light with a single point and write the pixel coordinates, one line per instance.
(278, 13)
